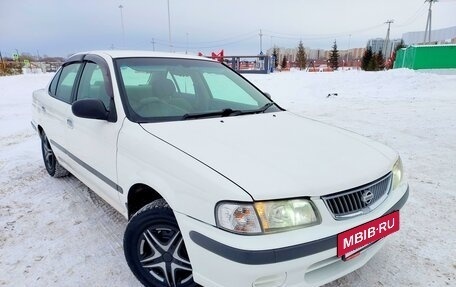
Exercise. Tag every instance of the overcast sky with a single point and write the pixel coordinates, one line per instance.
(62, 27)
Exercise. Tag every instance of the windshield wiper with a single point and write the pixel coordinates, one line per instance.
(227, 112)
(265, 107)
(257, 111)
(222, 113)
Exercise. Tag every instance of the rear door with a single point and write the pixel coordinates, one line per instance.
(56, 107)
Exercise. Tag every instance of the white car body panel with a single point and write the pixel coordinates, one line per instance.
(269, 155)
(176, 175)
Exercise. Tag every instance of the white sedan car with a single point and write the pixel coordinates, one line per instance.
(221, 186)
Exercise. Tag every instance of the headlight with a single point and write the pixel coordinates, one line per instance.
(266, 216)
(398, 173)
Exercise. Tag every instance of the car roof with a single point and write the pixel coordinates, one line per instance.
(137, 53)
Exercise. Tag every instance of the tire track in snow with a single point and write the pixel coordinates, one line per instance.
(46, 220)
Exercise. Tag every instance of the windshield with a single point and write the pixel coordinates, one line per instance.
(166, 89)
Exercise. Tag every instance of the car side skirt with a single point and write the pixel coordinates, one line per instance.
(88, 167)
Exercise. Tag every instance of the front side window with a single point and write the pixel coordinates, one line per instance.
(66, 82)
(165, 89)
(94, 85)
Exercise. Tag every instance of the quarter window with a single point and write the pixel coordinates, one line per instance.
(54, 82)
(66, 82)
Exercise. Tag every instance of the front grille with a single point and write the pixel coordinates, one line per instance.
(360, 200)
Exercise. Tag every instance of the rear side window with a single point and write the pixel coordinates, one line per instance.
(66, 82)
(184, 84)
(53, 86)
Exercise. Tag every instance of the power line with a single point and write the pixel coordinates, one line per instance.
(318, 36)
(412, 18)
(183, 46)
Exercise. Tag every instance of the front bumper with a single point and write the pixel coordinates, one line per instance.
(305, 257)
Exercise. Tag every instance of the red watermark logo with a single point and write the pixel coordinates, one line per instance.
(367, 233)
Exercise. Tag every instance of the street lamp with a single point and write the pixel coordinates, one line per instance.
(122, 23)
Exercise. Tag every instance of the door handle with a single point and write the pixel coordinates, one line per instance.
(70, 123)
(43, 108)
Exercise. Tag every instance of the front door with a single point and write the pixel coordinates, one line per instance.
(93, 143)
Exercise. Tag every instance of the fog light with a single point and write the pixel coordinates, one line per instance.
(276, 280)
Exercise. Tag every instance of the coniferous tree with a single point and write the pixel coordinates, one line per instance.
(366, 59)
(380, 61)
(334, 57)
(372, 65)
(301, 56)
(275, 54)
(284, 62)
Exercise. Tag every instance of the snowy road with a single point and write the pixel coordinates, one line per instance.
(56, 232)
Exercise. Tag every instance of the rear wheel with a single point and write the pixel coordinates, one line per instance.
(53, 167)
(154, 248)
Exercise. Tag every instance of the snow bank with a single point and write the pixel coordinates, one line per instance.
(56, 232)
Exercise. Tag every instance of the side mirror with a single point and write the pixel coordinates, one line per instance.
(90, 109)
(268, 95)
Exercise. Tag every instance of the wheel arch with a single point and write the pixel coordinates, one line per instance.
(139, 195)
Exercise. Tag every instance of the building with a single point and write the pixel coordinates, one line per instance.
(440, 36)
(318, 54)
(378, 44)
(317, 58)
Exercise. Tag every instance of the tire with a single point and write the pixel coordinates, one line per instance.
(154, 248)
(53, 167)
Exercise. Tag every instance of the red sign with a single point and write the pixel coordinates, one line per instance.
(367, 233)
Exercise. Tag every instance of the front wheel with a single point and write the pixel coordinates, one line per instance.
(154, 248)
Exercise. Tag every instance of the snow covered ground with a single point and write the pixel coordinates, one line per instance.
(56, 232)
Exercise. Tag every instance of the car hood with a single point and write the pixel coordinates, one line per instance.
(279, 155)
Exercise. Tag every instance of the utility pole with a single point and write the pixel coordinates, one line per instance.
(385, 46)
(122, 23)
(186, 48)
(428, 30)
(169, 30)
(348, 51)
(261, 42)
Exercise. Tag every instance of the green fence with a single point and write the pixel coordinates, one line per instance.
(426, 57)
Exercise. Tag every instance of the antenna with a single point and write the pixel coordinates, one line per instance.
(428, 30)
